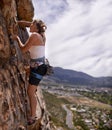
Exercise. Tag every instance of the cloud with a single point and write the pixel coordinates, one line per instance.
(79, 34)
(49, 10)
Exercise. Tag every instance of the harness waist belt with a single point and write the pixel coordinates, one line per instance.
(42, 59)
(38, 76)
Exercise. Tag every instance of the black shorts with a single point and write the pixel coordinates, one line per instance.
(36, 74)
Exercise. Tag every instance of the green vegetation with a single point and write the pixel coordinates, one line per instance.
(95, 115)
(78, 122)
(102, 97)
(54, 106)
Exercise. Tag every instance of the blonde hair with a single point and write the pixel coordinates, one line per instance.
(40, 25)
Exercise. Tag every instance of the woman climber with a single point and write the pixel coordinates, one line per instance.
(36, 46)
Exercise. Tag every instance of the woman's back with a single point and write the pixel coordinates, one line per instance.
(37, 51)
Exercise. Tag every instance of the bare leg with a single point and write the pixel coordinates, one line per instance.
(32, 98)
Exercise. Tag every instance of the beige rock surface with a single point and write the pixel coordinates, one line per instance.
(14, 106)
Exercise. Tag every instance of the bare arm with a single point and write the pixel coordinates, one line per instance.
(24, 23)
(34, 39)
(25, 47)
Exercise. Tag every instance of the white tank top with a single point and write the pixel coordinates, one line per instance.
(37, 52)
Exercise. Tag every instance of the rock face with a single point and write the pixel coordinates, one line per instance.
(14, 104)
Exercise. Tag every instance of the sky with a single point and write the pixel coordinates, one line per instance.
(79, 34)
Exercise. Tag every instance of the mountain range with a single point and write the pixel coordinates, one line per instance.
(61, 75)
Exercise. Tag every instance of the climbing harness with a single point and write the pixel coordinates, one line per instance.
(34, 63)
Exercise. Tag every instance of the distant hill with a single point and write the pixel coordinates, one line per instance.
(79, 78)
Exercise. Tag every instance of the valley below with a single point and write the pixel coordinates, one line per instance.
(74, 107)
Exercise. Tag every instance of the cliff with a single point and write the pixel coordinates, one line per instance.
(14, 106)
